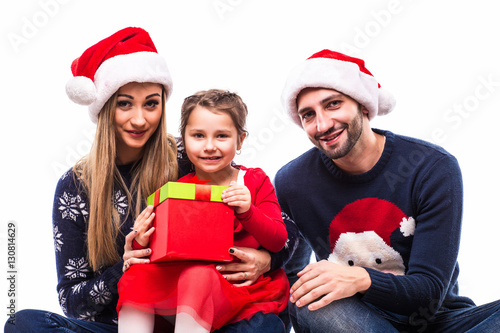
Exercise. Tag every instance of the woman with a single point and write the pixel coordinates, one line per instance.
(126, 84)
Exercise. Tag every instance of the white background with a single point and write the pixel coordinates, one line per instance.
(435, 56)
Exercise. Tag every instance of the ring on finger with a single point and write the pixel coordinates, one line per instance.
(245, 273)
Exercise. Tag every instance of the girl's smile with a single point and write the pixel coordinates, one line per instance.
(211, 141)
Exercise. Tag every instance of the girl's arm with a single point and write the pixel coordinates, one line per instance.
(263, 218)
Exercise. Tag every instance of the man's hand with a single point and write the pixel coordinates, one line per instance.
(330, 280)
(253, 264)
(131, 256)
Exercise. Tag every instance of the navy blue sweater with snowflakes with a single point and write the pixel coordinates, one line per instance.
(86, 294)
(83, 293)
(401, 221)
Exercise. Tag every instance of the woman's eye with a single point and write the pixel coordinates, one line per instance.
(123, 104)
(152, 104)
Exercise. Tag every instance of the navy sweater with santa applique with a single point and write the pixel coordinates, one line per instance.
(401, 221)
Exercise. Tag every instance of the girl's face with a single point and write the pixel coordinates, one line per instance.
(211, 141)
(137, 115)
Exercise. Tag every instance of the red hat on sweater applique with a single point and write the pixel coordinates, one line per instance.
(128, 55)
(337, 71)
(360, 235)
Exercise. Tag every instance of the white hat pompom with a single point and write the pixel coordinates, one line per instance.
(386, 101)
(81, 90)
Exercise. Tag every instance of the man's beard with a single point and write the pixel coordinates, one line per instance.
(354, 131)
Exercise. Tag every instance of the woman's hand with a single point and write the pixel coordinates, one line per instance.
(237, 196)
(253, 264)
(131, 256)
(143, 226)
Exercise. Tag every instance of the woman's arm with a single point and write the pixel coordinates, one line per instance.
(83, 293)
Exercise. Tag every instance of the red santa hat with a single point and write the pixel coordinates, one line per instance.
(337, 71)
(371, 214)
(128, 55)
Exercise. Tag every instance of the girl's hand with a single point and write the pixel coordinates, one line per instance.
(143, 226)
(253, 264)
(237, 196)
(131, 256)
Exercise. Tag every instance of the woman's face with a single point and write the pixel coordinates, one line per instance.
(137, 115)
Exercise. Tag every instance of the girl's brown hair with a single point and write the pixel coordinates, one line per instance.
(216, 100)
(99, 175)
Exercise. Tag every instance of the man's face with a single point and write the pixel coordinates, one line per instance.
(332, 120)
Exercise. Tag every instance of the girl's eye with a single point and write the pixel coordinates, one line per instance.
(222, 136)
(198, 135)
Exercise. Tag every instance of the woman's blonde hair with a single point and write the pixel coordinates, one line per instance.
(100, 175)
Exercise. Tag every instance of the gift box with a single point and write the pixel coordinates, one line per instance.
(191, 223)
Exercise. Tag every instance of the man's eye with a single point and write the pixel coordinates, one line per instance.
(333, 104)
(307, 115)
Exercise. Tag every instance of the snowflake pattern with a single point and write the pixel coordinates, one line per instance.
(100, 293)
(77, 268)
(62, 301)
(65, 175)
(285, 216)
(78, 287)
(89, 316)
(58, 243)
(120, 202)
(72, 206)
(180, 149)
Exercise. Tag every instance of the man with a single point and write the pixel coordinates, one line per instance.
(382, 213)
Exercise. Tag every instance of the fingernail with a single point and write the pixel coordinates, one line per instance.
(218, 268)
(231, 250)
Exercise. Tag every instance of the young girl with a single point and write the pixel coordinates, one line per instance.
(212, 128)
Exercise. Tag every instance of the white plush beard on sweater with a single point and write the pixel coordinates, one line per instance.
(367, 249)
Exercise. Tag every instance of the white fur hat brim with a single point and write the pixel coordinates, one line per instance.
(114, 73)
(339, 75)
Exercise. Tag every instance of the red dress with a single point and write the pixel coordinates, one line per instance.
(198, 289)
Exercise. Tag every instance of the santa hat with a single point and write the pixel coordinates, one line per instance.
(127, 56)
(371, 214)
(337, 71)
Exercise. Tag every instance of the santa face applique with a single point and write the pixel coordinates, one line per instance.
(360, 235)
